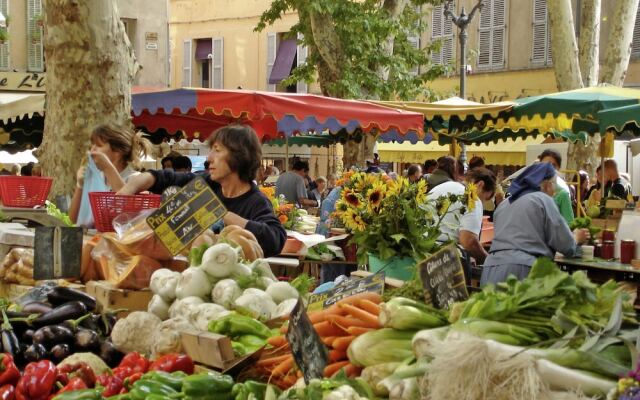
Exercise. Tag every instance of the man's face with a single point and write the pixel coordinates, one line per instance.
(551, 161)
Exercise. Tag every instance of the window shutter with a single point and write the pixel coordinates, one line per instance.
(635, 44)
(35, 57)
(4, 47)
(302, 52)
(414, 41)
(217, 66)
(271, 58)
(484, 36)
(541, 49)
(437, 19)
(187, 59)
(498, 33)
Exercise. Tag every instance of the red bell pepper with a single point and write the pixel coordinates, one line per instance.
(130, 380)
(172, 363)
(113, 382)
(136, 362)
(80, 369)
(9, 373)
(7, 392)
(75, 383)
(37, 382)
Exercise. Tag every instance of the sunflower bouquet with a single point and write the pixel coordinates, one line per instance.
(390, 218)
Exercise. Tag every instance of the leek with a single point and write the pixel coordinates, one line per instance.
(406, 314)
(382, 346)
(499, 331)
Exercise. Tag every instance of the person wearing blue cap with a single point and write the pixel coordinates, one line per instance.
(529, 225)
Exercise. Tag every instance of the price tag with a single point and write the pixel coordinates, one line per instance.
(443, 278)
(372, 283)
(310, 354)
(186, 215)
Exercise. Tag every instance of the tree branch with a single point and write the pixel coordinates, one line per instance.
(618, 52)
(590, 41)
(564, 48)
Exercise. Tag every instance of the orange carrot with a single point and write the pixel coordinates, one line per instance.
(352, 371)
(284, 328)
(342, 343)
(337, 355)
(326, 328)
(346, 322)
(331, 369)
(284, 367)
(362, 315)
(328, 340)
(368, 306)
(358, 330)
(277, 341)
(267, 362)
(371, 296)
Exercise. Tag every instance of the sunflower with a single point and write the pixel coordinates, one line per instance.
(421, 189)
(352, 198)
(375, 195)
(443, 206)
(353, 221)
(397, 186)
(471, 192)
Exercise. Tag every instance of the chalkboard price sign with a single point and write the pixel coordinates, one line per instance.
(372, 283)
(310, 354)
(443, 278)
(186, 215)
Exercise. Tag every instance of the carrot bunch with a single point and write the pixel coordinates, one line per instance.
(337, 326)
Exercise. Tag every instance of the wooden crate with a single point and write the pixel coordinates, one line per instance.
(213, 351)
(110, 298)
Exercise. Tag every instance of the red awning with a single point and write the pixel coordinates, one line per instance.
(284, 61)
(203, 49)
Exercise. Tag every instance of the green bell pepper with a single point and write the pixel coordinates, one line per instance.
(235, 325)
(207, 387)
(238, 348)
(83, 394)
(251, 341)
(249, 390)
(124, 396)
(145, 387)
(173, 380)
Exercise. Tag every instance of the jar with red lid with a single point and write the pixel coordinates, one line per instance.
(608, 235)
(608, 248)
(627, 251)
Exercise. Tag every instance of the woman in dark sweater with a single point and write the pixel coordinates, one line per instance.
(234, 157)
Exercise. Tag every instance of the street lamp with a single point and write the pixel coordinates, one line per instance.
(462, 21)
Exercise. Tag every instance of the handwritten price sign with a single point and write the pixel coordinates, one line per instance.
(186, 215)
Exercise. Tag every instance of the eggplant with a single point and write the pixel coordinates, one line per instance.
(73, 324)
(10, 342)
(108, 319)
(35, 352)
(27, 336)
(61, 294)
(59, 352)
(109, 354)
(35, 307)
(87, 340)
(53, 334)
(94, 323)
(70, 310)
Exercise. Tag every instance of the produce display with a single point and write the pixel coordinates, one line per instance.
(17, 267)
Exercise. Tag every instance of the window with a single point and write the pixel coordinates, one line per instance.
(204, 54)
(302, 52)
(217, 64)
(283, 55)
(541, 47)
(272, 47)
(4, 46)
(205, 65)
(130, 30)
(186, 63)
(442, 30)
(635, 44)
(492, 35)
(34, 36)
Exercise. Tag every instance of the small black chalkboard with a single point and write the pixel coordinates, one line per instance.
(57, 252)
(443, 278)
(186, 215)
(310, 354)
(372, 283)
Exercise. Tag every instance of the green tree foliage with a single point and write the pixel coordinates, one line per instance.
(346, 41)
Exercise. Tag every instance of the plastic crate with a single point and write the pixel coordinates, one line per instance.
(24, 191)
(105, 206)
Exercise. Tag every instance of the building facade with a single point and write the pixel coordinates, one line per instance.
(22, 65)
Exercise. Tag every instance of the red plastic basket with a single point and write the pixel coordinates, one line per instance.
(24, 191)
(105, 206)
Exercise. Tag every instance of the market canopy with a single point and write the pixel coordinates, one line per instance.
(325, 140)
(571, 115)
(21, 120)
(626, 118)
(452, 114)
(199, 112)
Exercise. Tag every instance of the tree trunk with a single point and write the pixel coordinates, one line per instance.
(90, 70)
(394, 8)
(564, 48)
(616, 60)
(327, 41)
(584, 156)
(590, 41)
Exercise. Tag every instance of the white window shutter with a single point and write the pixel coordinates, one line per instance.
(541, 49)
(35, 59)
(484, 36)
(4, 47)
(414, 41)
(187, 60)
(499, 34)
(635, 44)
(272, 43)
(437, 19)
(302, 52)
(217, 67)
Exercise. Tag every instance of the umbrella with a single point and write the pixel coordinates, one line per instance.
(198, 112)
(626, 118)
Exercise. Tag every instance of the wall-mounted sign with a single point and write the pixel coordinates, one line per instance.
(151, 46)
(151, 36)
(26, 81)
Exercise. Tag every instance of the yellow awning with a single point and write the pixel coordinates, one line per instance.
(513, 152)
(450, 107)
(19, 105)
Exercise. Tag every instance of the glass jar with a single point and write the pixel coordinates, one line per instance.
(627, 251)
(608, 247)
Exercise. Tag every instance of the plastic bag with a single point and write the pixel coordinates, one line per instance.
(94, 181)
(137, 238)
(38, 293)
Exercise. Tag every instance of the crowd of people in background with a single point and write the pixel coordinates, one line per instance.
(29, 169)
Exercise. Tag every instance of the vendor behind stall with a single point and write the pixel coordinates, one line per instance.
(234, 157)
(529, 225)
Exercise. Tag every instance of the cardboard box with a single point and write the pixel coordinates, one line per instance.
(110, 298)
